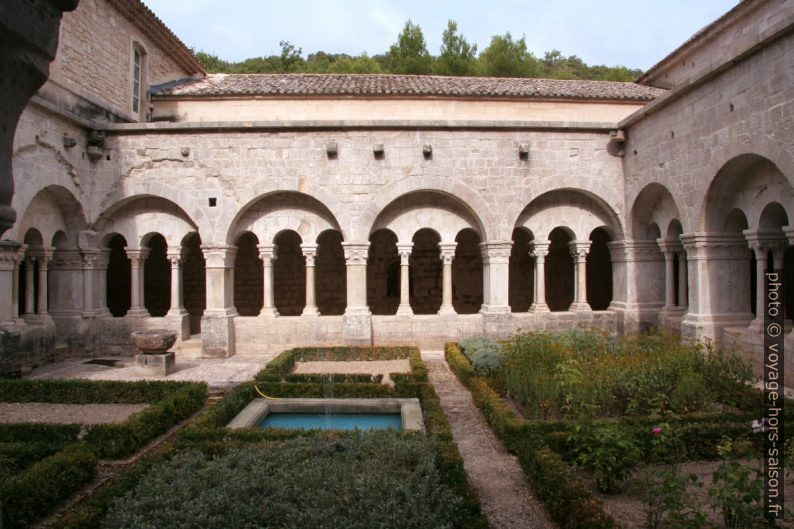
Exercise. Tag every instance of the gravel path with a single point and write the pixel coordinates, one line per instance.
(507, 500)
(66, 413)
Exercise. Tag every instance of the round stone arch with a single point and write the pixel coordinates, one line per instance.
(323, 203)
(469, 200)
(53, 209)
(139, 216)
(438, 211)
(577, 211)
(269, 215)
(748, 182)
(653, 211)
(184, 202)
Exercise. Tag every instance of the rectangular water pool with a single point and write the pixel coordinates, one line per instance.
(332, 421)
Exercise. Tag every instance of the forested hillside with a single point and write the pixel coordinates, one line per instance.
(505, 56)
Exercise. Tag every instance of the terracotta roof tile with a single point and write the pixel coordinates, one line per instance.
(221, 85)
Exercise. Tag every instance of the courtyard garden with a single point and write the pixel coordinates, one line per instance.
(641, 431)
(208, 475)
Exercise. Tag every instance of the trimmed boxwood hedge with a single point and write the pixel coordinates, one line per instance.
(207, 432)
(31, 493)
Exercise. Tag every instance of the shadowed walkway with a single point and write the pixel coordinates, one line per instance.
(506, 497)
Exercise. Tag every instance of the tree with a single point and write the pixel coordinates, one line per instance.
(291, 60)
(212, 63)
(457, 55)
(409, 54)
(505, 57)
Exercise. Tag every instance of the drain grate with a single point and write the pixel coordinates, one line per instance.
(102, 362)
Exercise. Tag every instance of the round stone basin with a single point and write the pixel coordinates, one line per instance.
(155, 341)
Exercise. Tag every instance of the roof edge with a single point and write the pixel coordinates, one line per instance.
(150, 25)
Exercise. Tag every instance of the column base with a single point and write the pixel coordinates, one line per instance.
(580, 306)
(310, 311)
(357, 326)
(97, 313)
(405, 310)
(447, 310)
(180, 320)
(137, 312)
(217, 333)
(268, 312)
(538, 308)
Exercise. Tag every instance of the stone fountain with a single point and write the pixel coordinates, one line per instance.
(154, 345)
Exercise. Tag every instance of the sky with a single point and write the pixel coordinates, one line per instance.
(633, 33)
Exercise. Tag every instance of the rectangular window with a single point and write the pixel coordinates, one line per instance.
(136, 81)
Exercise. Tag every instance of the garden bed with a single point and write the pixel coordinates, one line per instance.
(43, 464)
(602, 407)
(300, 478)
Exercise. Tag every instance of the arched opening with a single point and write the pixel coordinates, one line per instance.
(157, 277)
(559, 271)
(119, 275)
(248, 276)
(29, 273)
(330, 275)
(289, 275)
(383, 273)
(194, 281)
(521, 272)
(426, 264)
(599, 271)
(467, 275)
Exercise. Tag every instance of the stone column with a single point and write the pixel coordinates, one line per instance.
(683, 294)
(44, 261)
(579, 251)
(761, 243)
(638, 284)
(95, 265)
(358, 318)
(267, 252)
(446, 254)
(539, 251)
(497, 319)
(668, 249)
(217, 323)
(404, 251)
(309, 253)
(137, 257)
(6, 250)
(30, 294)
(177, 312)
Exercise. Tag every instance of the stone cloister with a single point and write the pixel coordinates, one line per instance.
(257, 212)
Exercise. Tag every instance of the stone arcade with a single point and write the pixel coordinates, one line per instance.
(254, 212)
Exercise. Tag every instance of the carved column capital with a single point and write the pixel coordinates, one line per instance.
(94, 258)
(268, 253)
(404, 251)
(579, 250)
(137, 256)
(447, 251)
(539, 249)
(309, 253)
(219, 256)
(495, 252)
(356, 253)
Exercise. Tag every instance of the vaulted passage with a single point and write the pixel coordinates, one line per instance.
(426, 266)
(119, 275)
(248, 276)
(559, 271)
(383, 273)
(289, 275)
(599, 271)
(467, 273)
(331, 281)
(194, 281)
(522, 266)
(157, 278)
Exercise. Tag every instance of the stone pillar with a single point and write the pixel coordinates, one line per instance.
(718, 279)
(683, 294)
(497, 319)
(267, 252)
(446, 254)
(177, 312)
(44, 261)
(309, 253)
(95, 265)
(579, 251)
(638, 284)
(404, 251)
(30, 294)
(358, 318)
(137, 257)
(20, 256)
(217, 323)
(29, 42)
(539, 251)
(668, 249)
(10, 255)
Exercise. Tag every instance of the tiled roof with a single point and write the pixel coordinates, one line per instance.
(221, 85)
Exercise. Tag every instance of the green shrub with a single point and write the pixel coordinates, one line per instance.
(85, 391)
(358, 378)
(377, 480)
(484, 354)
(28, 496)
(606, 451)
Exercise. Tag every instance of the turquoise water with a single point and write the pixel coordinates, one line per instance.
(332, 421)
